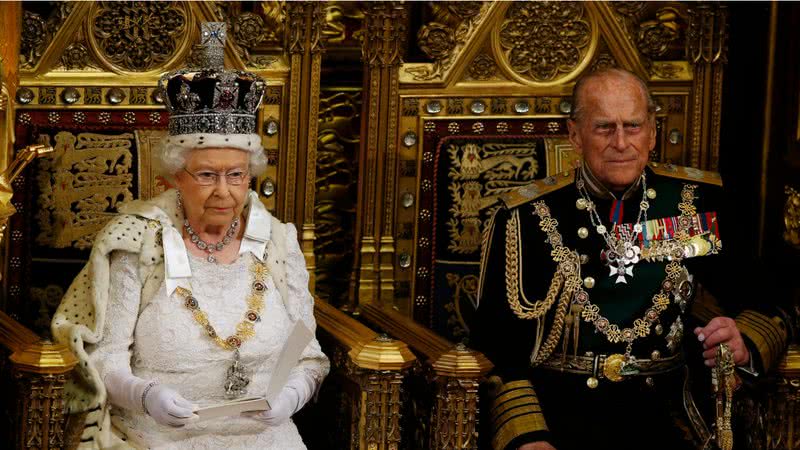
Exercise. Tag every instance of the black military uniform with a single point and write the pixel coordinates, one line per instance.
(587, 342)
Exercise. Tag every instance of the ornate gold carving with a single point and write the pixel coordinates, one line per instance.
(138, 36)
(76, 56)
(482, 68)
(628, 14)
(81, 183)
(628, 8)
(299, 26)
(478, 174)
(336, 185)
(707, 33)
(706, 43)
(436, 40)
(249, 30)
(545, 41)
(791, 217)
(335, 11)
(442, 42)
(384, 42)
(41, 416)
(669, 70)
(603, 61)
(37, 32)
(455, 413)
(656, 35)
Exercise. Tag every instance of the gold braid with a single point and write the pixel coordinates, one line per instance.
(566, 280)
(557, 327)
(513, 279)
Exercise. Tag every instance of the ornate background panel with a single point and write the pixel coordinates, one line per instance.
(545, 43)
(470, 163)
(139, 36)
(100, 160)
(336, 189)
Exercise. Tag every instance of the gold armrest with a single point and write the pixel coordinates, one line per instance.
(457, 371)
(377, 365)
(39, 371)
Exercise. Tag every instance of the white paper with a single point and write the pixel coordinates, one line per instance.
(297, 341)
(233, 408)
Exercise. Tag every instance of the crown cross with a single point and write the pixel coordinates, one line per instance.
(212, 40)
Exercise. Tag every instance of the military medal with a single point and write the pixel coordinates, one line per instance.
(622, 251)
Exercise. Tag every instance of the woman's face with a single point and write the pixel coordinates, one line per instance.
(219, 203)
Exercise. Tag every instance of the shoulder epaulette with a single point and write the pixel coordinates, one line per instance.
(686, 173)
(538, 188)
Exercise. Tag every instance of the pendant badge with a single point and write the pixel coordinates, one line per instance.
(237, 378)
(622, 259)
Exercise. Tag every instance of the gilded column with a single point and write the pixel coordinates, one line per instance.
(40, 370)
(304, 45)
(379, 368)
(454, 419)
(706, 46)
(383, 45)
(10, 32)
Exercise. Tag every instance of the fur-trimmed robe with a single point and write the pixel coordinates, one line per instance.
(80, 318)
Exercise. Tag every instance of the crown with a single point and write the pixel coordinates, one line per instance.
(209, 98)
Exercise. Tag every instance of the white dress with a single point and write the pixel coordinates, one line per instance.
(160, 340)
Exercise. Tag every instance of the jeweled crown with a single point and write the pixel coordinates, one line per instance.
(209, 98)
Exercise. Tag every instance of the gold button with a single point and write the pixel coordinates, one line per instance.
(651, 193)
(588, 282)
(580, 203)
(649, 381)
(655, 355)
(659, 330)
(583, 233)
(592, 382)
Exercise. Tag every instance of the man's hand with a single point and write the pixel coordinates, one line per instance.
(541, 445)
(722, 330)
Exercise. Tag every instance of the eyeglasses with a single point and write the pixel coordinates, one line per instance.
(208, 178)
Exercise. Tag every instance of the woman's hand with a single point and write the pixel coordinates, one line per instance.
(541, 445)
(167, 407)
(281, 409)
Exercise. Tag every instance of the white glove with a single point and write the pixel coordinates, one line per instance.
(292, 398)
(165, 405)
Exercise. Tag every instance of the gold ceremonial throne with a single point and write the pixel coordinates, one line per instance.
(390, 129)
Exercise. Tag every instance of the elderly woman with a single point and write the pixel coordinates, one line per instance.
(188, 298)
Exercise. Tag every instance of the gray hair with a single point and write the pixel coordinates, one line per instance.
(577, 91)
(171, 158)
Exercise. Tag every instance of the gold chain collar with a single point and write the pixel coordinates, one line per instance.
(244, 329)
(568, 276)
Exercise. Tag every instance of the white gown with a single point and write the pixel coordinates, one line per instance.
(160, 340)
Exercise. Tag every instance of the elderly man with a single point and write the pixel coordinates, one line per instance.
(585, 323)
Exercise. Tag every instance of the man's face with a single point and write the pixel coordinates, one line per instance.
(614, 132)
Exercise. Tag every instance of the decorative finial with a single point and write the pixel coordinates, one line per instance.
(212, 39)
